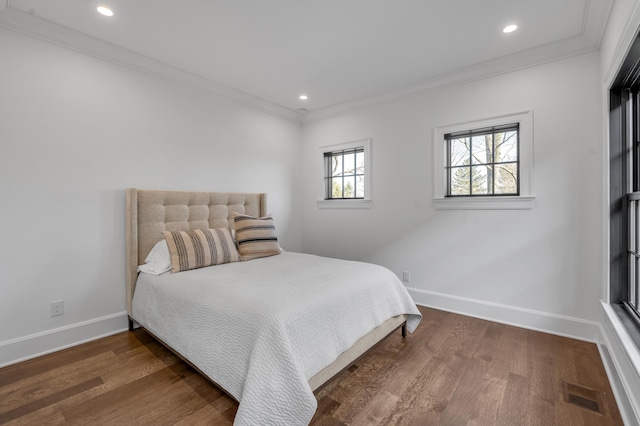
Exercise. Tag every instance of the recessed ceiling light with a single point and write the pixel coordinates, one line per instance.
(105, 11)
(510, 28)
(303, 97)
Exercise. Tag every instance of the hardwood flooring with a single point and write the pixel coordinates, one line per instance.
(454, 370)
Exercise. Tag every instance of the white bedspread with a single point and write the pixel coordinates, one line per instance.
(262, 328)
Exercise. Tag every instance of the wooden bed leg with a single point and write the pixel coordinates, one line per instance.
(404, 330)
(130, 324)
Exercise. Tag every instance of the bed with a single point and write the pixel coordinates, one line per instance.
(268, 331)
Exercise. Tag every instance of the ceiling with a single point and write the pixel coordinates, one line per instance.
(341, 53)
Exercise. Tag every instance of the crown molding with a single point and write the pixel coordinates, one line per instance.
(595, 21)
(521, 60)
(588, 40)
(51, 32)
(628, 35)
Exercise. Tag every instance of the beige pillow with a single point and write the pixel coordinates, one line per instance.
(256, 237)
(200, 247)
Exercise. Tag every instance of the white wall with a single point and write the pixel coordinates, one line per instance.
(543, 262)
(75, 131)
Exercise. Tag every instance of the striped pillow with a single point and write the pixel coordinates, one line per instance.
(256, 237)
(199, 248)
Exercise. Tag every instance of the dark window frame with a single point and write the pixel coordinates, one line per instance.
(624, 192)
(328, 173)
(491, 165)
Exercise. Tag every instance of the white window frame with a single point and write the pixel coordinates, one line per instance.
(524, 201)
(357, 203)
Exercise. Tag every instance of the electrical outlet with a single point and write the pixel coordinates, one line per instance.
(406, 276)
(57, 308)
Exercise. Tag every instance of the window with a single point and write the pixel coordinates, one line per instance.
(484, 164)
(624, 205)
(346, 176)
(625, 200)
(631, 200)
(633, 253)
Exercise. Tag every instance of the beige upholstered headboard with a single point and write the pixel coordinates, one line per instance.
(149, 212)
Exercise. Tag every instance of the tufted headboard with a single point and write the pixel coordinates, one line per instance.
(149, 212)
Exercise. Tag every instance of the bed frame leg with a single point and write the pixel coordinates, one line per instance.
(130, 324)
(404, 330)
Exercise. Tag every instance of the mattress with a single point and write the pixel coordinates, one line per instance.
(260, 329)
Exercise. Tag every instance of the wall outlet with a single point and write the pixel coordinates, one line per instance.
(57, 308)
(406, 276)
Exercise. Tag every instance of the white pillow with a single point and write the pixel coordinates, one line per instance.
(158, 260)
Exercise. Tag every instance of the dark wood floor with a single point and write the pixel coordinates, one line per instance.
(454, 370)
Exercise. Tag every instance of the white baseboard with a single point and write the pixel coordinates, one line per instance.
(621, 360)
(560, 325)
(35, 345)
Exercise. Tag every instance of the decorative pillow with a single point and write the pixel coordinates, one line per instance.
(158, 260)
(199, 248)
(256, 237)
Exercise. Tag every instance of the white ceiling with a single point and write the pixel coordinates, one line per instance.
(338, 52)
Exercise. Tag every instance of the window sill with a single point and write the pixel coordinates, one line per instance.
(345, 204)
(484, 203)
(628, 335)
